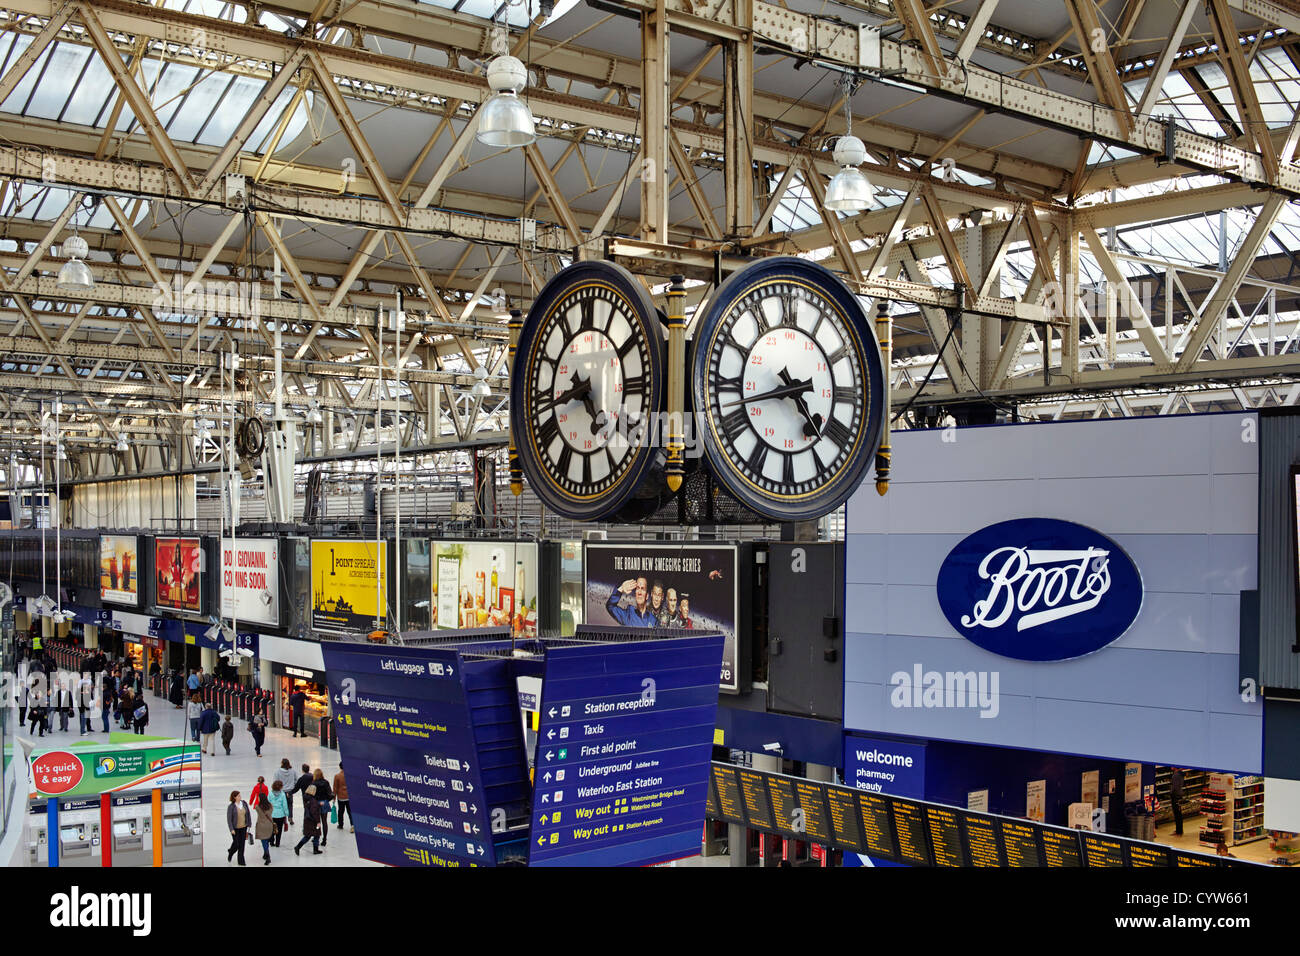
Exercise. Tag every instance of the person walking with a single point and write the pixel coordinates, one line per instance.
(257, 727)
(297, 705)
(311, 822)
(260, 793)
(264, 829)
(285, 778)
(279, 810)
(106, 697)
(324, 798)
(301, 784)
(140, 715)
(1176, 798)
(64, 704)
(209, 724)
(36, 713)
(341, 795)
(238, 817)
(126, 706)
(227, 734)
(194, 711)
(175, 690)
(194, 681)
(85, 701)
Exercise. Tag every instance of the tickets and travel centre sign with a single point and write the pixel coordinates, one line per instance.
(1039, 589)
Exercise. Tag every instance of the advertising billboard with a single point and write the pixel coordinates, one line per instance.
(250, 580)
(484, 584)
(119, 569)
(178, 572)
(669, 585)
(95, 769)
(349, 585)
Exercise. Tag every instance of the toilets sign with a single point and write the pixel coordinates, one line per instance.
(1039, 589)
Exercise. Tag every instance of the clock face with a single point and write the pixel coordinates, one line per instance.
(586, 384)
(788, 376)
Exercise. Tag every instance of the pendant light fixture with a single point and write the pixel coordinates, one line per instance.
(849, 191)
(504, 120)
(75, 275)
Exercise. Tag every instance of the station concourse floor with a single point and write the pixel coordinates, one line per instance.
(239, 771)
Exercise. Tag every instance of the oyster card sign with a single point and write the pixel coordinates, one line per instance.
(1039, 589)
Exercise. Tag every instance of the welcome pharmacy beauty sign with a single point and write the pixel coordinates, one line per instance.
(1039, 589)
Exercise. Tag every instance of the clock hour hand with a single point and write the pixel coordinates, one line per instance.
(581, 389)
(812, 423)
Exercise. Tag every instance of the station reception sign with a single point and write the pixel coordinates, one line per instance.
(349, 585)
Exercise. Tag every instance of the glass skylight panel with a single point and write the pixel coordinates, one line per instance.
(239, 98)
(65, 62)
(199, 106)
(15, 101)
(257, 142)
(92, 92)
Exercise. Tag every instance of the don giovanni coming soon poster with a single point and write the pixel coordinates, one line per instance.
(691, 587)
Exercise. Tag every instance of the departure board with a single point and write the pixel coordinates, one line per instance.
(724, 778)
(982, 840)
(1020, 840)
(753, 789)
(1146, 854)
(813, 804)
(945, 837)
(1060, 847)
(877, 830)
(1100, 850)
(910, 829)
(916, 833)
(784, 805)
(845, 828)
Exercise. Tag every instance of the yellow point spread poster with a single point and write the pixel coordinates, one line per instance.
(345, 596)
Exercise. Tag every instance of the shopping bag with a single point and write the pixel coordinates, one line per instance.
(334, 814)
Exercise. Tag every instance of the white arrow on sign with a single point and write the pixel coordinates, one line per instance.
(545, 798)
(550, 734)
(551, 712)
(549, 755)
(547, 776)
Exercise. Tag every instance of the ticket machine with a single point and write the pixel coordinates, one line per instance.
(132, 835)
(79, 839)
(182, 836)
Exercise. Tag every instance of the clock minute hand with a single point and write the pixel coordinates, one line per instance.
(785, 391)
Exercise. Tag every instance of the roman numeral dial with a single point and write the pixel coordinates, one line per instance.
(587, 376)
(787, 375)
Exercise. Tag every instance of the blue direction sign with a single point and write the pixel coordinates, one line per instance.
(624, 743)
(407, 746)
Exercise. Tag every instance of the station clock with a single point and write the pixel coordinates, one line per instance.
(788, 380)
(586, 385)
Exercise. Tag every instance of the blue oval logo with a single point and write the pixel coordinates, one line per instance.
(1039, 589)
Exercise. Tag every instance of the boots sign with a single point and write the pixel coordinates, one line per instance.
(1039, 589)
